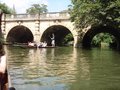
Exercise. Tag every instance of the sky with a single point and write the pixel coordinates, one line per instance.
(52, 5)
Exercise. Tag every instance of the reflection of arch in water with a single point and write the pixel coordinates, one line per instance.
(20, 34)
(37, 63)
(86, 42)
(53, 53)
(59, 31)
(83, 64)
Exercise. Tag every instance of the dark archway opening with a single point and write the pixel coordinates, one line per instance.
(19, 34)
(87, 39)
(62, 35)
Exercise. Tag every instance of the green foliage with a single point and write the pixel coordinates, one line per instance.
(5, 8)
(68, 38)
(95, 12)
(103, 37)
(37, 9)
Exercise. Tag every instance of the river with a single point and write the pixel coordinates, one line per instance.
(64, 68)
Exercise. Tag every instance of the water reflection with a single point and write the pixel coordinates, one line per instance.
(43, 67)
(64, 69)
(101, 73)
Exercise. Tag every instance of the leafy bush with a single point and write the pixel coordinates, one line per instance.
(103, 37)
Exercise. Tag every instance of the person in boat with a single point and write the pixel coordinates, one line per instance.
(40, 44)
(53, 40)
(44, 44)
(32, 44)
(3, 69)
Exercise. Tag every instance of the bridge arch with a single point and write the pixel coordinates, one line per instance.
(60, 33)
(20, 34)
(86, 42)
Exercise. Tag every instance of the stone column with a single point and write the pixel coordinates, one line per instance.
(76, 41)
(37, 31)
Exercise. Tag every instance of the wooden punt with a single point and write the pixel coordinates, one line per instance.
(5, 82)
(47, 47)
(31, 47)
(10, 86)
(26, 46)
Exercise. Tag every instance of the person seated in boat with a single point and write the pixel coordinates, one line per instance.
(3, 69)
(44, 44)
(31, 44)
(40, 44)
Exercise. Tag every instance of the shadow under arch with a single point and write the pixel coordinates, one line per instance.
(19, 34)
(60, 33)
(86, 42)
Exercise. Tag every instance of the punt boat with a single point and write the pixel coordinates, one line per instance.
(6, 82)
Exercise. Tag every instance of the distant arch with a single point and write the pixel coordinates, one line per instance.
(86, 42)
(20, 34)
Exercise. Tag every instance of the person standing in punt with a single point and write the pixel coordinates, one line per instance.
(53, 40)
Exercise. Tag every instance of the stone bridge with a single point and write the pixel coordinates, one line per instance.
(24, 28)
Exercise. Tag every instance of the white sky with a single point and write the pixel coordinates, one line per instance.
(22, 5)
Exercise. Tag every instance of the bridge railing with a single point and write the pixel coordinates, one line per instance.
(20, 16)
(52, 15)
(59, 15)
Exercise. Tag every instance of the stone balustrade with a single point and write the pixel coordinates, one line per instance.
(43, 16)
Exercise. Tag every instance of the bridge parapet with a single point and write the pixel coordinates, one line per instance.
(44, 16)
(53, 15)
(21, 16)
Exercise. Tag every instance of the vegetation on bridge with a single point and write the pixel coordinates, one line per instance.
(6, 9)
(95, 12)
(37, 9)
(34, 9)
(87, 12)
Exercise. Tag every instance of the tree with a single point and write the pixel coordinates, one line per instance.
(67, 39)
(95, 12)
(5, 8)
(37, 8)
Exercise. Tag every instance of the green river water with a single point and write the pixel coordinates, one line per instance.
(64, 68)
